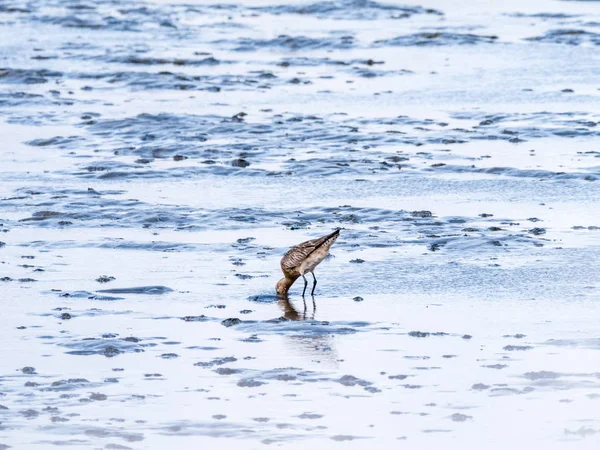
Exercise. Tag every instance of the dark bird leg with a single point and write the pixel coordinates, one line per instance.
(305, 284)
(314, 285)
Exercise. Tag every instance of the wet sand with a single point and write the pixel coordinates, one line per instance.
(160, 157)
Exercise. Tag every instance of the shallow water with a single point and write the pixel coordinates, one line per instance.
(159, 157)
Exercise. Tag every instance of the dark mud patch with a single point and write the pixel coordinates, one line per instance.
(424, 334)
(201, 318)
(569, 37)
(216, 362)
(349, 10)
(28, 76)
(87, 295)
(114, 433)
(291, 43)
(231, 322)
(458, 417)
(105, 279)
(548, 16)
(542, 375)
(517, 348)
(108, 345)
(250, 383)
(345, 437)
(264, 298)
(151, 61)
(436, 38)
(350, 380)
(146, 290)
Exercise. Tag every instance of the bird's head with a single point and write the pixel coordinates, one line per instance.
(284, 285)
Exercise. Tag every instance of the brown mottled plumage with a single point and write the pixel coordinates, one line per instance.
(303, 258)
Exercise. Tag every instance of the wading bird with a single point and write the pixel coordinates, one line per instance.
(303, 258)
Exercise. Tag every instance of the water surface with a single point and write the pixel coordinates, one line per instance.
(159, 158)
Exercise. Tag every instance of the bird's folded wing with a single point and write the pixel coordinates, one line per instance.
(300, 252)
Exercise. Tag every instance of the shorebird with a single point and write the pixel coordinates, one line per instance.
(303, 258)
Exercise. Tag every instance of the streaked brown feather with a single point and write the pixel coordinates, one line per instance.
(294, 257)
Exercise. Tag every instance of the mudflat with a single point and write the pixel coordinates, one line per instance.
(158, 158)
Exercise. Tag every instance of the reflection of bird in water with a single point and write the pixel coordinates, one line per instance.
(303, 258)
(291, 313)
(318, 346)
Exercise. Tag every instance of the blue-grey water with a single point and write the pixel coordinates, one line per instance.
(159, 157)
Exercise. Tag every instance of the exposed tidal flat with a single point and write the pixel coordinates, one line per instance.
(158, 158)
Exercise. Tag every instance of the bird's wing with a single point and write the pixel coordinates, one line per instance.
(300, 252)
